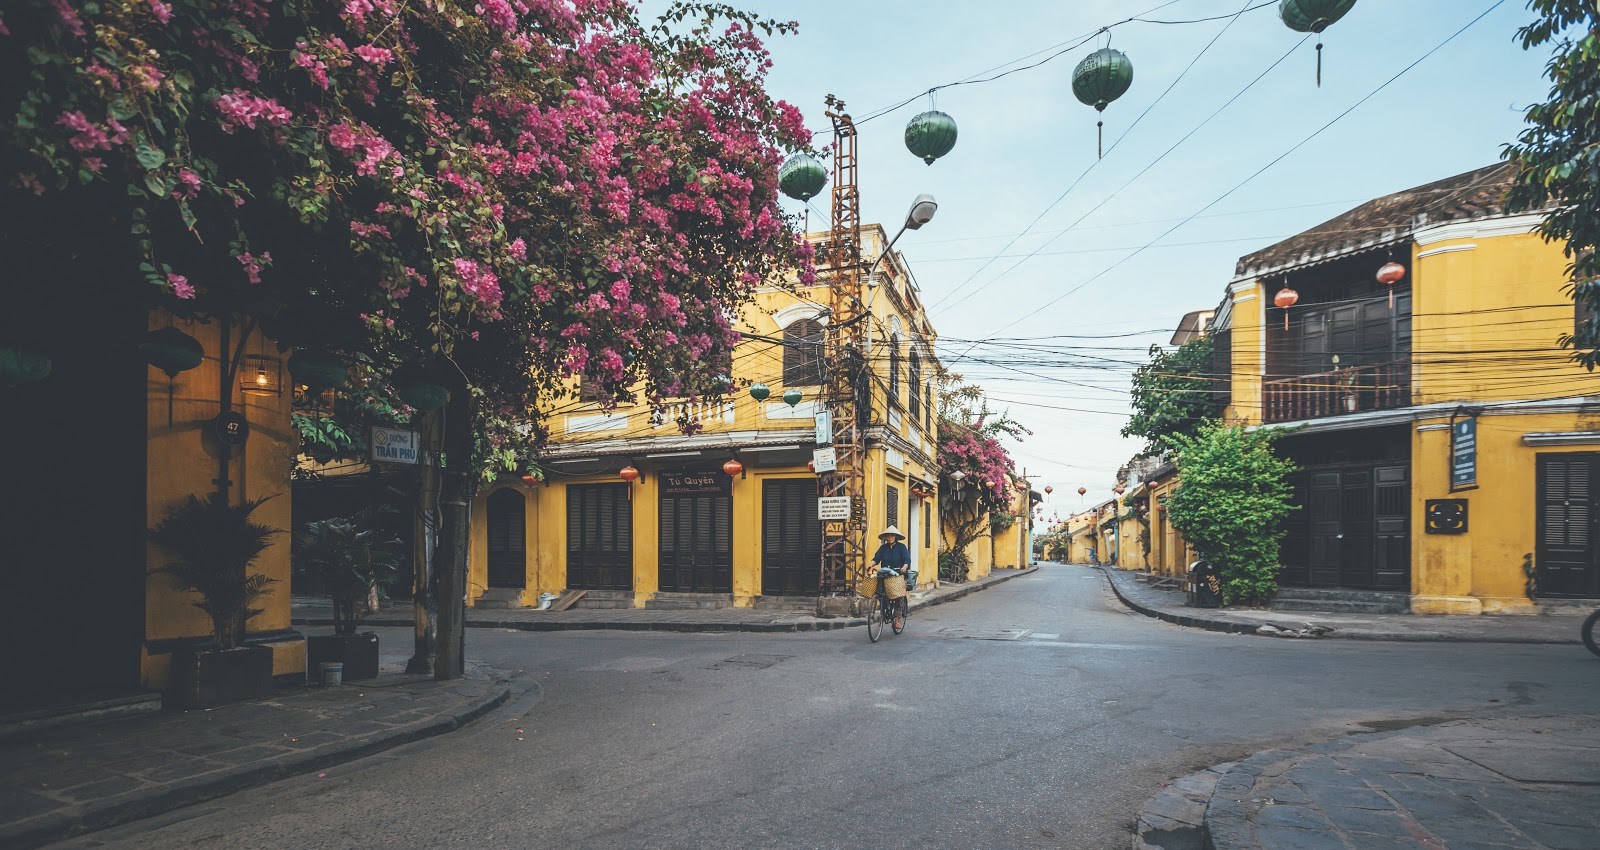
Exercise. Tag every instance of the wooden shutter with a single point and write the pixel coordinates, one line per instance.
(927, 525)
(802, 353)
(894, 367)
(914, 385)
(893, 507)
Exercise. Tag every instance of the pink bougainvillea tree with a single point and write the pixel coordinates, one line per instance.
(517, 194)
(982, 496)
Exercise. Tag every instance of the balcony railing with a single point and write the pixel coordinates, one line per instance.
(1357, 389)
(699, 412)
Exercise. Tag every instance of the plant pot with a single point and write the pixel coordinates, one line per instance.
(214, 677)
(1351, 402)
(358, 653)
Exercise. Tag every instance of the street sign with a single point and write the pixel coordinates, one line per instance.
(825, 460)
(393, 445)
(1464, 453)
(833, 508)
(824, 428)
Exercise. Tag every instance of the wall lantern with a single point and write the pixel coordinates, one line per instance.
(1391, 274)
(261, 374)
(760, 391)
(172, 351)
(1286, 298)
(628, 473)
(792, 397)
(733, 467)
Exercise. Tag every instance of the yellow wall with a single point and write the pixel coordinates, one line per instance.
(182, 459)
(1248, 323)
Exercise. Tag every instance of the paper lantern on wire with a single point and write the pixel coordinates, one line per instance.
(1313, 16)
(1102, 77)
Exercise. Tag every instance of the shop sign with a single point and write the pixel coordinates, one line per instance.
(833, 508)
(825, 460)
(695, 482)
(392, 445)
(1463, 453)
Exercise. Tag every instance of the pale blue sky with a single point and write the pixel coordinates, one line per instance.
(1025, 139)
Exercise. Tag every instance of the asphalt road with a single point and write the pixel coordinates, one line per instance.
(926, 740)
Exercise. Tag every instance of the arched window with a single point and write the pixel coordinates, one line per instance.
(914, 384)
(894, 367)
(802, 353)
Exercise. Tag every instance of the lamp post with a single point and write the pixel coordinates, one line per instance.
(922, 210)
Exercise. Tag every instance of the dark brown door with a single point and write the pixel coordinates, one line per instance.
(1357, 528)
(1325, 529)
(696, 533)
(1566, 550)
(508, 553)
(599, 537)
(1391, 528)
(791, 538)
(1294, 552)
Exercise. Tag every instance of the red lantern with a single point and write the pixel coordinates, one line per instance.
(530, 479)
(1391, 274)
(732, 467)
(1082, 490)
(1118, 489)
(811, 465)
(1048, 490)
(628, 474)
(1286, 298)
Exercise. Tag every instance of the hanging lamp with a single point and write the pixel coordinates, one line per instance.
(792, 397)
(760, 391)
(420, 388)
(1286, 298)
(802, 177)
(1313, 16)
(1390, 274)
(172, 351)
(318, 370)
(628, 473)
(1102, 77)
(732, 467)
(931, 135)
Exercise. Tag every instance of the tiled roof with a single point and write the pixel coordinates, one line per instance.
(1388, 220)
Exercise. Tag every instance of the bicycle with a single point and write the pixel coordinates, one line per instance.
(1589, 626)
(881, 609)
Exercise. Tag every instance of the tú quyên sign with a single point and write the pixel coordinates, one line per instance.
(393, 445)
(695, 482)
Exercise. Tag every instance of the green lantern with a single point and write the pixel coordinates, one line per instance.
(1313, 16)
(931, 135)
(319, 370)
(801, 177)
(1102, 77)
(792, 397)
(759, 391)
(172, 351)
(419, 388)
(22, 367)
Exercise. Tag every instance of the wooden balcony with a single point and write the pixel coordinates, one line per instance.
(1358, 389)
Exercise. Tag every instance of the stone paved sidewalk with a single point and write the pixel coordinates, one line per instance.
(1557, 626)
(1531, 783)
(315, 612)
(77, 779)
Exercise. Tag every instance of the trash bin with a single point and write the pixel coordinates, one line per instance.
(1205, 585)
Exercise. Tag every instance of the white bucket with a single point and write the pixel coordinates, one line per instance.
(332, 672)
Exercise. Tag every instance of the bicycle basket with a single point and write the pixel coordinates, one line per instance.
(894, 587)
(867, 585)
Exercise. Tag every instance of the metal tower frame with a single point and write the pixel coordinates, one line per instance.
(844, 542)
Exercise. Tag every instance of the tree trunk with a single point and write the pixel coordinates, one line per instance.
(424, 597)
(450, 558)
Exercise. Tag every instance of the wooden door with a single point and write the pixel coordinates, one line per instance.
(1294, 551)
(1565, 549)
(696, 533)
(1324, 531)
(791, 538)
(508, 554)
(1391, 528)
(599, 537)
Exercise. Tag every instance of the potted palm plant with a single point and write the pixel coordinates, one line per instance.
(214, 544)
(354, 560)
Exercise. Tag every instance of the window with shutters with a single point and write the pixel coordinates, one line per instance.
(914, 383)
(1566, 556)
(927, 525)
(892, 506)
(894, 368)
(802, 353)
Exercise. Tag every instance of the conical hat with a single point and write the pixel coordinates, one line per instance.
(888, 531)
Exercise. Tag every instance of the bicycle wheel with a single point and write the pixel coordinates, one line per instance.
(874, 619)
(1589, 638)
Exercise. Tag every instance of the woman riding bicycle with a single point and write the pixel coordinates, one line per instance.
(892, 558)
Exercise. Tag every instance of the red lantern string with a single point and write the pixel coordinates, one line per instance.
(1391, 274)
(1286, 298)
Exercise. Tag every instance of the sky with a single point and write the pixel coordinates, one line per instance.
(1025, 141)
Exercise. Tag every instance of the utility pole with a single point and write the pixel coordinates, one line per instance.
(844, 542)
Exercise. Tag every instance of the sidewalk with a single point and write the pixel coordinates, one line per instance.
(312, 612)
(1559, 626)
(1526, 782)
(77, 779)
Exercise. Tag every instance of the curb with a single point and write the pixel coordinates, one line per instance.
(666, 626)
(222, 783)
(1231, 627)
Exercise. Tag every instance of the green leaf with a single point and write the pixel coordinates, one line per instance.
(150, 156)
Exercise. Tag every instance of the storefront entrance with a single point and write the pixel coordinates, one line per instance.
(696, 532)
(791, 538)
(1565, 558)
(508, 558)
(599, 537)
(1352, 528)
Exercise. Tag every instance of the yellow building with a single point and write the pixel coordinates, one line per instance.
(685, 533)
(1447, 446)
(1170, 554)
(101, 448)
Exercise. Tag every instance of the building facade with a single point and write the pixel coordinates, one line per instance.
(685, 531)
(1446, 445)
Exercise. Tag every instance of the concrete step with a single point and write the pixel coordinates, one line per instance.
(796, 604)
(1341, 606)
(500, 597)
(690, 602)
(604, 600)
(1341, 594)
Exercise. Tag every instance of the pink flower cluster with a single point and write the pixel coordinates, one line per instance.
(240, 108)
(253, 264)
(479, 281)
(181, 286)
(374, 149)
